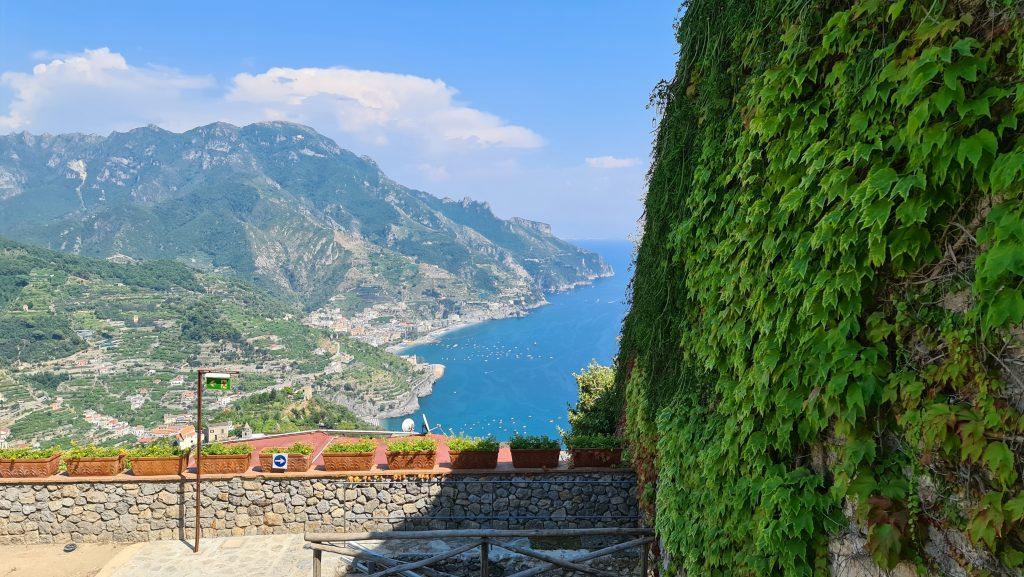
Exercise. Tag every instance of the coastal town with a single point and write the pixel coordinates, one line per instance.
(399, 324)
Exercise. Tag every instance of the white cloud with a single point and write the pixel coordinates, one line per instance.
(99, 91)
(377, 106)
(611, 162)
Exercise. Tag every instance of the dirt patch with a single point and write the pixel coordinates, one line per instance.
(51, 560)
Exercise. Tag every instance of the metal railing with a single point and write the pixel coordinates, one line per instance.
(345, 544)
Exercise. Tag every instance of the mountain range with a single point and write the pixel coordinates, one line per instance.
(282, 206)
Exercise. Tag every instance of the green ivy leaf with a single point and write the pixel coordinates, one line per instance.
(999, 460)
(884, 543)
(881, 181)
(1015, 508)
(1006, 308)
(1005, 170)
(969, 149)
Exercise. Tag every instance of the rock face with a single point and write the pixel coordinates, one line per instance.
(274, 202)
(144, 511)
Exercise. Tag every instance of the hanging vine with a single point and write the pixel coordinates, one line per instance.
(828, 296)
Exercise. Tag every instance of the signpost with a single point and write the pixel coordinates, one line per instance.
(217, 381)
(279, 461)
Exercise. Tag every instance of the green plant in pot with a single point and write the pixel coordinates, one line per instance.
(594, 450)
(225, 458)
(350, 455)
(411, 453)
(94, 461)
(28, 462)
(473, 452)
(534, 451)
(300, 458)
(157, 459)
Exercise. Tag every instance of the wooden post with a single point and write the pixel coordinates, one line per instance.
(485, 556)
(199, 446)
(644, 551)
(317, 555)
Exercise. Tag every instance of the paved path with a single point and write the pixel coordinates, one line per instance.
(254, 556)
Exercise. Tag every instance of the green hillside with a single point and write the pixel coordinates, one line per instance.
(279, 205)
(123, 340)
(829, 292)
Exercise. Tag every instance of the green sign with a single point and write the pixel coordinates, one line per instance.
(218, 382)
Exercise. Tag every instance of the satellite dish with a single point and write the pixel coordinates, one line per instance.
(408, 425)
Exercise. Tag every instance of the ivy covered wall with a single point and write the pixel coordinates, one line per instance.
(828, 296)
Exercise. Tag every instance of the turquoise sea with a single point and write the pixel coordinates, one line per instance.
(516, 374)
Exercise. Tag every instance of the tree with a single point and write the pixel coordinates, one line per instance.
(600, 404)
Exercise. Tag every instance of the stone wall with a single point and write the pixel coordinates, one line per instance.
(137, 510)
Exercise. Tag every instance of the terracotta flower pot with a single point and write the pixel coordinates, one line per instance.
(535, 458)
(348, 461)
(158, 466)
(95, 466)
(416, 460)
(596, 457)
(225, 464)
(474, 459)
(22, 468)
(297, 463)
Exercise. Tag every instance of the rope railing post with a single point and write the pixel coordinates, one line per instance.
(317, 557)
(485, 556)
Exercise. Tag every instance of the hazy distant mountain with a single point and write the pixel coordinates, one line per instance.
(277, 203)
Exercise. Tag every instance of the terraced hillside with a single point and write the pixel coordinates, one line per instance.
(98, 350)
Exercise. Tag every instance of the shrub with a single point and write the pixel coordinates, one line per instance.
(222, 449)
(296, 449)
(592, 442)
(533, 442)
(27, 453)
(473, 444)
(360, 446)
(93, 452)
(600, 404)
(412, 445)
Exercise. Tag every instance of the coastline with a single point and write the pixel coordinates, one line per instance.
(433, 336)
(411, 401)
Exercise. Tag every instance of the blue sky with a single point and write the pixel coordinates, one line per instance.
(536, 107)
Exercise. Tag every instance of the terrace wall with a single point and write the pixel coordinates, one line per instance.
(129, 509)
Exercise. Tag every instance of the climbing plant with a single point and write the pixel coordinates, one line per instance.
(828, 296)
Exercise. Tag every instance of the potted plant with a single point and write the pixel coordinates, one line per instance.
(19, 463)
(157, 459)
(412, 453)
(300, 457)
(473, 452)
(534, 452)
(594, 450)
(222, 459)
(350, 455)
(94, 461)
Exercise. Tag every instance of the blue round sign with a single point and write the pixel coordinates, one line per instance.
(280, 461)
